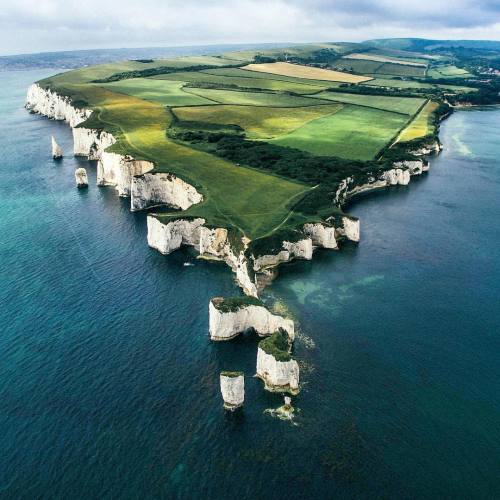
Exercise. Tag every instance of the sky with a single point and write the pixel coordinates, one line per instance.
(28, 26)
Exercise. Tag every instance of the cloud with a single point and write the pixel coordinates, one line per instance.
(38, 25)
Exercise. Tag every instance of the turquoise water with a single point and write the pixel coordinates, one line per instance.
(109, 384)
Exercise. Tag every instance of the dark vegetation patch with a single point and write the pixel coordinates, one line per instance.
(233, 304)
(273, 244)
(231, 374)
(277, 346)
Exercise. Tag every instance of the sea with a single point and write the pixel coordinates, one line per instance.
(109, 384)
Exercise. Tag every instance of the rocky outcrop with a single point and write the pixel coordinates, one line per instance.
(212, 244)
(275, 367)
(396, 176)
(48, 103)
(434, 147)
(81, 178)
(301, 249)
(414, 167)
(150, 190)
(349, 229)
(118, 170)
(229, 317)
(399, 175)
(321, 235)
(90, 142)
(171, 236)
(57, 151)
(232, 387)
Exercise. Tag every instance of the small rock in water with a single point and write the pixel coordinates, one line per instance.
(285, 412)
(232, 387)
(81, 178)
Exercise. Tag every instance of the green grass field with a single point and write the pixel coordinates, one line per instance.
(359, 66)
(243, 82)
(168, 93)
(354, 132)
(291, 122)
(401, 70)
(258, 122)
(256, 202)
(404, 105)
(254, 98)
(447, 71)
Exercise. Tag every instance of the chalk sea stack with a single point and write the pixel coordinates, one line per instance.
(81, 178)
(57, 152)
(232, 387)
(275, 366)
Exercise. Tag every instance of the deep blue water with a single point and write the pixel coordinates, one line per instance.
(109, 384)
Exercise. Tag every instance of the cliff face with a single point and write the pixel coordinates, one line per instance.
(399, 175)
(321, 236)
(302, 249)
(349, 229)
(149, 190)
(171, 236)
(91, 143)
(118, 170)
(277, 375)
(136, 178)
(51, 105)
(227, 325)
(213, 243)
(113, 169)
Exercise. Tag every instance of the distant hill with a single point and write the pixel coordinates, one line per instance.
(78, 58)
(422, 44)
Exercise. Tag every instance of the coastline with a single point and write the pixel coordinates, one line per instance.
(137, 179)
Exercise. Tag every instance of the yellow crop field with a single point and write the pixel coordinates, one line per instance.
(308, 72)
(421, 125)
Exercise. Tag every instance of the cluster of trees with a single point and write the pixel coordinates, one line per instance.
(487, 93)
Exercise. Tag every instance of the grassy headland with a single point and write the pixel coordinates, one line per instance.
(266, 136)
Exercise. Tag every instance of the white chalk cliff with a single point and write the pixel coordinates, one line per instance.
(226, 325)
(399, 175)
(49, 104)
(211, 243)
(146, 188)
(118, 170)
(321, 235)
(232, 387)
(167, 238)
(149, 190)
(113, 169)
(90, 142)
(302, 249)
